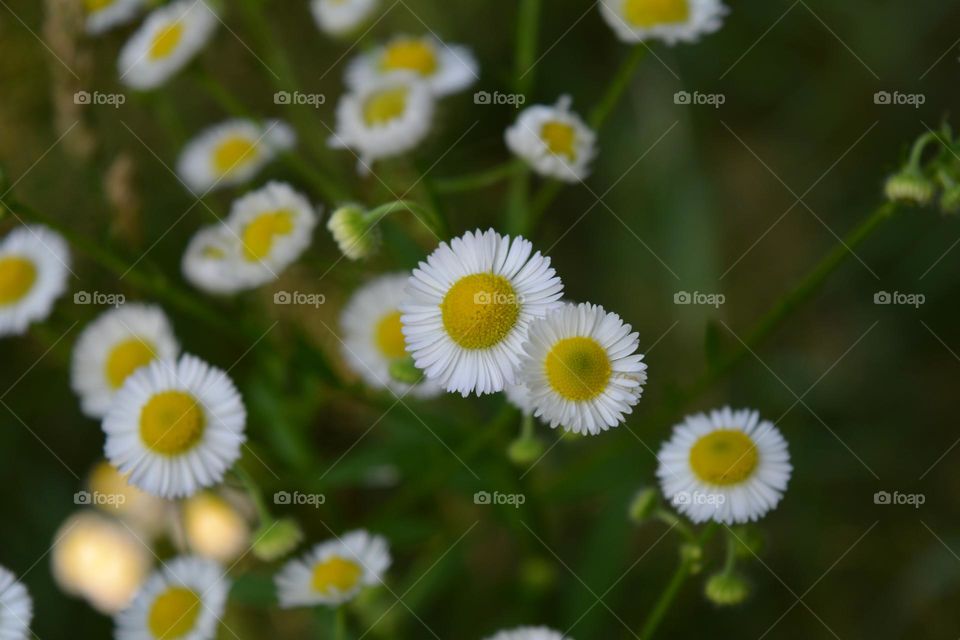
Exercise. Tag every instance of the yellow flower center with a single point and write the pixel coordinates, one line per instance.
(125, 358)
(166, 40)
(258, 236)
(17, 276)
(651, 13)
(724, 457)
(384, 106)
(410, 55)
(578, 368)
(336, 575)
(389, 336)
(93, 6)
(174, 613)
(171, 423)
(232, 153)
(480, 310)
(560, 138)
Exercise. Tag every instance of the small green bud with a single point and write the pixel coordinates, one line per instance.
(525, 450)
(274, 540)
(909, 186)
(355, 235)
(643, 505)
(692, 554)
(403, 370)
(950, 200)
(726, 589)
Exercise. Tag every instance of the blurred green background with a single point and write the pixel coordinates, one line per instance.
(711, 207)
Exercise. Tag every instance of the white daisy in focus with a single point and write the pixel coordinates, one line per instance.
(16, 608)
(670, 21)
(529, 633)
(383, 119)
(728, 466)
(468, 308)
(554, 141)
(231, 153)
(208, 263)
(445, 68)
(334, 572)
(112, 347)
(167, 40)
(273, 226)
(342, 17)
(184, 600)
(175, 427)
(373, 340)
(103, 15)
(34, 263)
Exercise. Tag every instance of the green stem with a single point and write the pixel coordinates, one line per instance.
(527, 430)
(426, 215)
(518, 211)
(340, 623)
(255, 493)
(671, 519)
(478, 180)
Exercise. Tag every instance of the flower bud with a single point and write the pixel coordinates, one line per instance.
(355, 234)
(643, 505)
(525, 450)
(726, 589)
(274, 540)
(909, 186)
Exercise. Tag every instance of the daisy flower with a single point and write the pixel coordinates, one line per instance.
(671, 21)
(208, 263)
(529, 633)
(728, 466)
(183, 600)
(16, 608)
(232, 153)
(34, 263)
(334, 572)
(373, 339)
(469, 306)
(554, 141)
(582, 368)
(169, 38)
(383, 119)
(148, 515)
(175, 427)
(113, 346)
(354, 231)
(445, 68)
(342, 17)
(103, 15)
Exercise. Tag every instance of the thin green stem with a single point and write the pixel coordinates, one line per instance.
(425, 215)
(340, 623)
(478, 180)
(518, 211)
(255, 493)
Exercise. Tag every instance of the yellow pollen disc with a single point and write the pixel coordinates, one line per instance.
(17, 276)
(724, 457)
(389, 336)
(651, 13)
(166, 40)
(560, 138)
(258, 236)
(578, 368)
(410, 55)
(171, 423)
(335, 574)
(384, 106)
(125, 358)
(174, 613)
(93, 6)
(232, 153)
(480, 310)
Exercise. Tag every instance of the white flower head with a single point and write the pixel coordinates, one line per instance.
(183, 600)
(169, 38)
(444, 68)
(342, 17)
(16, 608)
(554, 141)
(112, 347)
(175, 427)
(231, 153)
(529, 633)
(469, 307)
(335, 571)
(670, 21)
(103, 15)
(34, 266)
(728, 466)
(208, 262)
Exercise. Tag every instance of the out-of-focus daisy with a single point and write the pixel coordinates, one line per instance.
(232, 153)
(354, 231)
(103, 15)
(147, 514)
(519, 396)
(100, 560)
(16, 608)
(373, 339)
(214, 526)
(529, 633)
(112, 347)
(183, 600)
(208, 263)
(34, 263)
(445, 68)
(383, 119)
(554, 141)
(175, 427)
(342, 17)
(168, 39)
(333, 572)
(273, 226)
(469, 306)
(582, 368)
(671, 21)
(728, 466)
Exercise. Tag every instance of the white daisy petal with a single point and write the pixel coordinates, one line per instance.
(444, 68)
(529, 633)
(16, 608)
(670, 21)
(103, 15)
(342, 17)
(34, 264)
(554, 141)
(208, 262)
